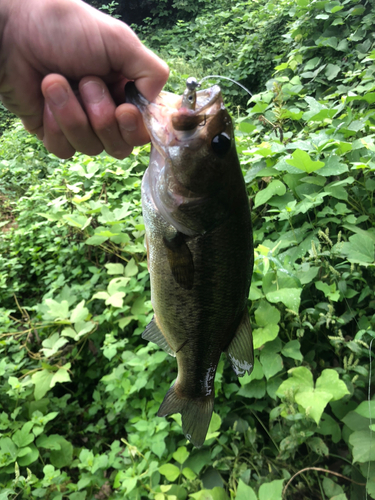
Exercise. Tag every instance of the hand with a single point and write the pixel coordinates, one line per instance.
(47, 46)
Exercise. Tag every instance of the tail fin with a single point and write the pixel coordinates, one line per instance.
(196, 414)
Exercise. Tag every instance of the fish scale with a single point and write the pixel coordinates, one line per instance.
(199, 246)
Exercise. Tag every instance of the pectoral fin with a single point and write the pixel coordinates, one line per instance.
(240, 350)
(155, 335)
(180, 260)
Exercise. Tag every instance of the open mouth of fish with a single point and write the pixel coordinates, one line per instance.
(172, 119)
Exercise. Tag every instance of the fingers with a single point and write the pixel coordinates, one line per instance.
(72, 126)
(119, 129)
(91, 127)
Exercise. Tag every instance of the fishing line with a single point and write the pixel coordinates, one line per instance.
(227, 78)
(370, 347)
(369, 411)
(368, 393)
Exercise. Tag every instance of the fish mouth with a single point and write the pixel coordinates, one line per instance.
(168, 120)
(178, 135)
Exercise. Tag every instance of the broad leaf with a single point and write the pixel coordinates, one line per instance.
(245, 492)
(302, 161)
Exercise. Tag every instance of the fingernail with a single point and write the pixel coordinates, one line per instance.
(127, 122)
(92, 92)
(57, 94)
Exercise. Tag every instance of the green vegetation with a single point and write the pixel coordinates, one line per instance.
(80, 389)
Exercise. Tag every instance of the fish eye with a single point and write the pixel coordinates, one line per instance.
(221, 144)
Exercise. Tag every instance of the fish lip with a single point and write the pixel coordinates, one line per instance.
(133, 96)
(168, 114)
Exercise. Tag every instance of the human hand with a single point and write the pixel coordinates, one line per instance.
(49, 44)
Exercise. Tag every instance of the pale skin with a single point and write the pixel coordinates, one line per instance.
(63, 66)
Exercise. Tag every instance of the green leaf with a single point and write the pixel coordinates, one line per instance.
(62, 375)
(318, 446)
(329, 382)
(302, 161)
(115, 268)
(96, 240)
(331, 489)
(57, 309)
(333, 166)
(290, 297)
(116, 300)
(328, 290)
(255, 389)
(181, 454)
(359, 249)
(23, 436)
(101, 295)
(313, 401)
(199, 459)
(188, 473)
(263, 335)
(69, 332)
(31, 457)
(42, 380)
(271, 491)
(64, 456)
(83, 327)
(51, 442)
(141, 306)
(216, 493)
(8, 447)
(292, 350)
(214, 426)
(317, 111)
(117, 285)
(170, 471)
(301, 380)
(275, 187)
(75, 220)
(78, 495)
(272, 363)
(131, 268)
(363, 446)
(266, 314)
(79, 313)
(332, 70)
(245, 492)
(338, 189)
(355, 422)
(53, 344)
(329, 427)
(365, 408)
(123, 212)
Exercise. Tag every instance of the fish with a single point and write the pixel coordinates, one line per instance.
(199, 246)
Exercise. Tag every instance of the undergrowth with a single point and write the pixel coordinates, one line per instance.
(80, 389)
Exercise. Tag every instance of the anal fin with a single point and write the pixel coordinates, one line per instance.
(240, 351)
(195, 412)
(155, 335)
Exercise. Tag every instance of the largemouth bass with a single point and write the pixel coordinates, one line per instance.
(199, 246)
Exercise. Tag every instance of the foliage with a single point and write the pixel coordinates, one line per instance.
(80, 389)
(163, 12)
(239, 40)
